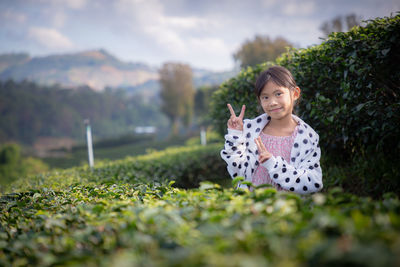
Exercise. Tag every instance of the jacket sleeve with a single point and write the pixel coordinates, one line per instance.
(238, 158)
(304, 179)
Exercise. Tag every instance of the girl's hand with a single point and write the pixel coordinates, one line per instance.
(234, 122)
(263, 154)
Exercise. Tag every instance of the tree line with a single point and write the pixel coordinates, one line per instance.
(29, 111)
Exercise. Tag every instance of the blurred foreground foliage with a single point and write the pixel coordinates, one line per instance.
(130, 212)
(154, 224)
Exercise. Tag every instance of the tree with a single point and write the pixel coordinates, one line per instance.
(340, 24)
(13, 166)
(259, 50)
(177, 94)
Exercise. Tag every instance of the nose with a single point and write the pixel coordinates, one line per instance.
(272, 102)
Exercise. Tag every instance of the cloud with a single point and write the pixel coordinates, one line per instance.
(169, 32)
(72, 4)
(208, 45)
(50, 38)
(10, 16)
(75, 4)
(301, 8)
(58, 19)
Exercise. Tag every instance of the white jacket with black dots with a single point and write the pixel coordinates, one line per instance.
(302, 174)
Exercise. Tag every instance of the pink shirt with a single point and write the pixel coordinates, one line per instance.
(277, 146)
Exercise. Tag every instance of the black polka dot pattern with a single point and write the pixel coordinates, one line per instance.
(301, 174)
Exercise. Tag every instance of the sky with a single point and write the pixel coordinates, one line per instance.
(203, 33)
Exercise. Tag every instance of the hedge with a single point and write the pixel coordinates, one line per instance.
(153, 224)
(187, 166)
(350, 88)
(350, 94)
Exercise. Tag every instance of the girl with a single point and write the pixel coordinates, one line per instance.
(277, 147)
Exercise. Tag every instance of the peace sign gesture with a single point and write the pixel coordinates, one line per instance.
(263, 154)
(234, 122)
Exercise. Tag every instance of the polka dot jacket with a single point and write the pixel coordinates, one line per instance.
(302, 174)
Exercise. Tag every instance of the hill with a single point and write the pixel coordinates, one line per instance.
(97, 69)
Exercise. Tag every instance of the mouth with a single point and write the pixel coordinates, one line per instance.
(275, 110)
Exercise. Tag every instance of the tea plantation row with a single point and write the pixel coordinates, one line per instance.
(126, 213)
(125, 224)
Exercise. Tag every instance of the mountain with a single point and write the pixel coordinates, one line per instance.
(96, 68)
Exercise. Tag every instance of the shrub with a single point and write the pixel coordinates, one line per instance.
(350, 95)
(13, 165)
(187, 166)
(125, 224)
(351, 87)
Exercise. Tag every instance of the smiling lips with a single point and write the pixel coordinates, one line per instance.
(275, 110)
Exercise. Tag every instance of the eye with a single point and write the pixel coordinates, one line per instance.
(278, 94)
(264, 97)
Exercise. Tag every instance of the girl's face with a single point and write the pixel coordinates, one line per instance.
(278, 101)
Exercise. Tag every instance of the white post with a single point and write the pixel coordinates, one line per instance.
(203, 139)
(89, 142)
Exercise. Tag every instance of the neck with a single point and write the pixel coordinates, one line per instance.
(286, 122)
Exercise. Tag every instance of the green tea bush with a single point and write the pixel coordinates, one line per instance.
(187, 166)
(350, 94)
(351, 87)
(154, 224)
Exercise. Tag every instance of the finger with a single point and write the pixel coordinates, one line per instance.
(231, 110)
(263, 148)
(241, 115)
(257, 143)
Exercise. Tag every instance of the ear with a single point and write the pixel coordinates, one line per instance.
(296, 93)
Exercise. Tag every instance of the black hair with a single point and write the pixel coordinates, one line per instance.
(279, 75)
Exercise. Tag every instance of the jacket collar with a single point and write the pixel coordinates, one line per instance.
(264, 119)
